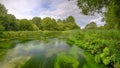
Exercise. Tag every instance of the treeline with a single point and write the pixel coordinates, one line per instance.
(8, 22)
(93, 25)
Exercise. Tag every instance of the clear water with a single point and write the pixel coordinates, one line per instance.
(52, 53)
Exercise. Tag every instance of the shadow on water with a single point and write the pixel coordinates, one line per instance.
(52, 53)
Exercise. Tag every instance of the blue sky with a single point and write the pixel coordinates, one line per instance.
(48, 8)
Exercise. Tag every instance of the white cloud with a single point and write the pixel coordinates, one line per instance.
(20, 8)
(52, 8)
(98, 21)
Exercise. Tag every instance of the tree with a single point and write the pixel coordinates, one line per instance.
(10, 22)
(3, 11)
(113, 16)
(91, 25)
(59, 20)
(1, 27)
(7, 21)
(54, 24)
(37, 21)
(48, 24)
(111, 13)
(60, 26)
(27, 25)
(70, 23)
(70, 19)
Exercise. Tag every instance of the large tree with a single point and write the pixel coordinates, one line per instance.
(27, 25)
(70, 19)
(10, 22)
(111, 13)
(1, 27)
(37, 21)
(7, 21)
(3, 13)
(91, 25)
(70, 23)
(48, 24)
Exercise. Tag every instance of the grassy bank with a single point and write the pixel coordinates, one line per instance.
(104, 45)
(10, 35)
(8, 39)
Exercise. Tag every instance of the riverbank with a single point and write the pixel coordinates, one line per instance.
(104, 45)
(13, 37)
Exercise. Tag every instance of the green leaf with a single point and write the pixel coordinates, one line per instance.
(106, 60)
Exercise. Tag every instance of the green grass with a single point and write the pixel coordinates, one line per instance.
(8, 35)
(2, 53)
(104, 45)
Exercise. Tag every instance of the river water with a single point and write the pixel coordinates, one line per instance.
(52, 53)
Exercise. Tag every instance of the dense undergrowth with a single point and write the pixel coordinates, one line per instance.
(104, 45)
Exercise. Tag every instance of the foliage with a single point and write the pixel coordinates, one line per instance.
(70, 23)
(102, 44)
(48, 24)
(1, 27)
(65, 61)
(8, 22)
(113, 15)
(92, 6)
(6, 44)
(111, 12)
(37, 21)
(91, 25)
(70, 19)
(3, 11)
(60, 26)
(26, 25)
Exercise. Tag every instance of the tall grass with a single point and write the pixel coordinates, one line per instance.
(104, 45)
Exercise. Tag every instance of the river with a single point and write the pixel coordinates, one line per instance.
(51, 53)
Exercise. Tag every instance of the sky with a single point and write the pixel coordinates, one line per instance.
(58, 9)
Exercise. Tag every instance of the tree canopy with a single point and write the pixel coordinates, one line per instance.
(3, 11)
(37, 21)
(91, 25)
(111, 13)
(8, 22)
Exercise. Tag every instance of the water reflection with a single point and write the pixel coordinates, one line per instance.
(52, 53)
